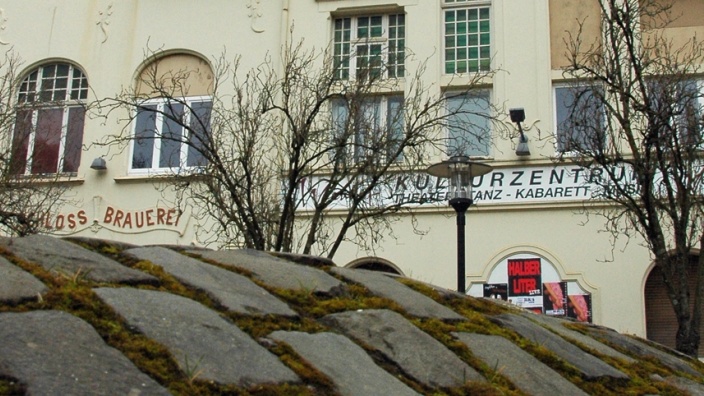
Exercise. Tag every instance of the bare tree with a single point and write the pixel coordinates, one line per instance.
(32, 176)
(294, 158)
(636, 124)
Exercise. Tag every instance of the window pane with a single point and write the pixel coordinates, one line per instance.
(395, 127)
(367, 133)
(466, 31)
(144, 131)
(47, 139)
(342, 36)
(578, 119)
(340, 116)
(376, 28)
(200, 128)
(171, 135)
(469, 128)
(20, 142)
(74, 139)
(689, 113)
(28, 88)
(563, 106)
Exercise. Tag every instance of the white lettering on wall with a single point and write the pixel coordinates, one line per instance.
(562, 183)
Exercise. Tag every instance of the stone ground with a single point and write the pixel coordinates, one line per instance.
(90, 317)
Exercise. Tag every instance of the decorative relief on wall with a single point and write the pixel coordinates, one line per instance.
(3, 25)
(104, 21)
(255, 16)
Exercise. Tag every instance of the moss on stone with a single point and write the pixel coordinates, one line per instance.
(73, 293)
(11, 387)
(317, 382)
(353, 298)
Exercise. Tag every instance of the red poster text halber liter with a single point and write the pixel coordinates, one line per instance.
(524, 277)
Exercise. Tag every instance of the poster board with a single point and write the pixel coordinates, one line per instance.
(532, 282)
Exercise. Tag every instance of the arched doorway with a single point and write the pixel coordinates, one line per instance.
(660, 319)
(375, 264)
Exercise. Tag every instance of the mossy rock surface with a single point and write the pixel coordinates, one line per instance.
(185, 306)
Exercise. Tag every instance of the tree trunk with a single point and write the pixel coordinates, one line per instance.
(687, 338)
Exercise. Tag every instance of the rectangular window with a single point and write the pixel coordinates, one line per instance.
(681, 106)
(469, 126)
(375, 129)
(371, 46)
(48, 140)
(579, 120)
(467, 38)
(162, 141)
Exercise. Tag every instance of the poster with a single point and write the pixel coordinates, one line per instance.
(497, 291)
(555, 298)
(524, 277)
(524, 283)
(532, 283)
(580, 307)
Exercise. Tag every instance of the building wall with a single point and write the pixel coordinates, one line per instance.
(108, 40)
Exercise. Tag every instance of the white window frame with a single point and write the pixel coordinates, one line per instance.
(155, 169)
(454, 5)
(381, 107)
(351, 57)
(451, 150)
(30, 97)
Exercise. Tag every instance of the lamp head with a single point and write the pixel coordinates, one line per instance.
(99, 164)
(517, 115)
(460, 171)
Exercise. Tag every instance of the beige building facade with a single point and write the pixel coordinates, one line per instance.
(528, 238)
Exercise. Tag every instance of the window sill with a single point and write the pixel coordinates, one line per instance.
(475, 80)
(51, 179)
(155, 176)
(344, 8)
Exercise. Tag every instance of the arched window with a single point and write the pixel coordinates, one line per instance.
(375, 264)
(48, 131)
(173, 114)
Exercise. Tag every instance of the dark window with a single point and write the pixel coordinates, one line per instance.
(579, 118)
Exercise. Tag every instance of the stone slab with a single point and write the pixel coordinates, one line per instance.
(588, 365)
(557, 326)
(234, 291)
(275, 271)
(686, 385)
(347, 365)
(418, 354)
(56, 353)
(197, 337)
(414, 303)
(17, 285)
(69, 259)
(643, 350)
(305, 259)
(526, 372)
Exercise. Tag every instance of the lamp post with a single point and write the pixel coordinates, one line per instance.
(460, 170)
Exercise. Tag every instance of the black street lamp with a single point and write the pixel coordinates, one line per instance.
(460, 170)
